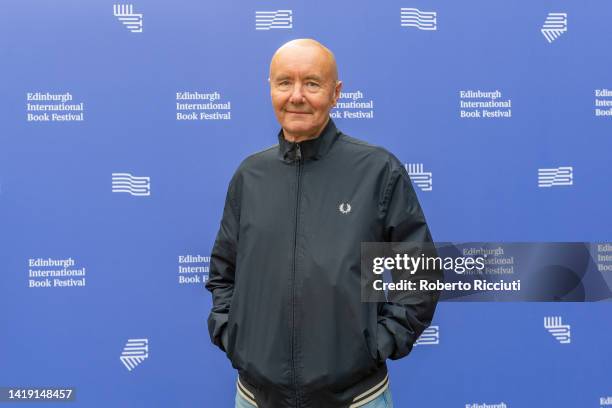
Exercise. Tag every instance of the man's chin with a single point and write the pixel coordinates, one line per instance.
(301, 129)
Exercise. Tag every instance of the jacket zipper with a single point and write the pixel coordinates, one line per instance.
(298, 159)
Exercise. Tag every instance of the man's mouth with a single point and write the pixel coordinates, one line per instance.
(297, 112)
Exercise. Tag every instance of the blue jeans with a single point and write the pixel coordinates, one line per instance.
(382, 401)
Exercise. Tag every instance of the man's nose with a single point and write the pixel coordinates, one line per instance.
(297, 96)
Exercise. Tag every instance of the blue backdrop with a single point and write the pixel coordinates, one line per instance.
(123, 316)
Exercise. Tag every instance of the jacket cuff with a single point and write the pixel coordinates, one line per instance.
(224, 338)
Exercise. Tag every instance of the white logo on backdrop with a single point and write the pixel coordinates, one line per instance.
(422, 179)
(554, 25)
(423, 20)
(266, 20)
(560, 331)
(559, 176)
(136, 186)
(430, 336)
(135, 352)
(125, 14)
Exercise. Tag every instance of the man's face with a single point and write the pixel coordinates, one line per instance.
(304, 88)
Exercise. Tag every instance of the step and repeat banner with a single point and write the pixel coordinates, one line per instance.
(122, 124)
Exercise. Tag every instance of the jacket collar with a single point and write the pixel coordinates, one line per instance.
(311, 148)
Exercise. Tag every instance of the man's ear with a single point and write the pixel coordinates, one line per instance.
(337, 90)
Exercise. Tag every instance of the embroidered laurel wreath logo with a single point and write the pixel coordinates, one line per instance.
(345, 208)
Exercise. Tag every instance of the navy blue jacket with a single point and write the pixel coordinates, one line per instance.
(285, 272)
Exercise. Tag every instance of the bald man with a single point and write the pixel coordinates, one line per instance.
(304, 87)
(285, 266)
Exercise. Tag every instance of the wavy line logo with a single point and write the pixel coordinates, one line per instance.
(560, 331)
(266, 20)
(422, 179)
(554, 25)
(136, 186)
(429, 337)
(125, 13)
(559, 176)
(423, 20)
(134, 353)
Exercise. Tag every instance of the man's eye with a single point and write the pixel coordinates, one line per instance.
(312, 84)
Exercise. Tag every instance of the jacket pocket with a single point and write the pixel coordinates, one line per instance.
(224, 341)
(230, 334)
(384, 340)
(370, 332)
